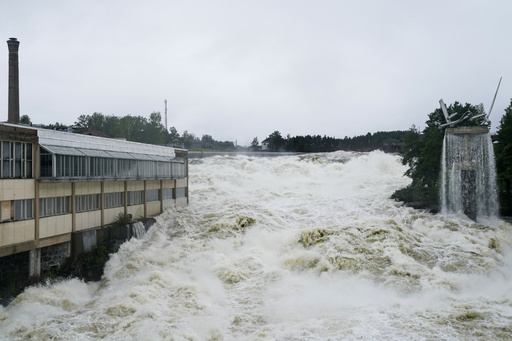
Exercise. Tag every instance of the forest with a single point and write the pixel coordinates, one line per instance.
(152, 131)
(390, 141)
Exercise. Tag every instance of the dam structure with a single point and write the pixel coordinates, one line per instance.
(61, 193)
(468, 173)
(468, 167)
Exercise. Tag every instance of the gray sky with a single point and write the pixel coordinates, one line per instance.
(243, 69)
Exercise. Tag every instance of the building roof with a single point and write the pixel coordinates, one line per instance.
(94, 132)
(64, 143)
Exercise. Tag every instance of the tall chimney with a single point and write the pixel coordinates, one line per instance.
(14, 84)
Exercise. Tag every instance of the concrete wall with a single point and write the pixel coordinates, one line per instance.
(17, 189)
(136, 211)
(152, 184)
(82, 188)
(55, 225)
(135, 186)
(153, 208)
(181, 182)
(49, 190)
(16, 232)
(113, 186)
(110, 215)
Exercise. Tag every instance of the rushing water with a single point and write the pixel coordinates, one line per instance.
(471, 154)
(138, 230)
(288, 248)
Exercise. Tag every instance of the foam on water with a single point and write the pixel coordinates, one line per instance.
(289, 248)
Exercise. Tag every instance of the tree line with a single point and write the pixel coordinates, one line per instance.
(389, 140)
(139, 129)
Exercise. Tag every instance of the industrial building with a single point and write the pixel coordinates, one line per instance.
(57, 186)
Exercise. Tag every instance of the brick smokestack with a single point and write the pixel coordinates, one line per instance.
(14, 84)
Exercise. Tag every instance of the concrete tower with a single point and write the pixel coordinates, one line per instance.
(14, 84)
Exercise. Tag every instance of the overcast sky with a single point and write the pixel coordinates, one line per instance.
(243, 69)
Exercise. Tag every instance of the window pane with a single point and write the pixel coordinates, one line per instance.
(29, 151)
(6, 171)
(42, 211)
(17, 168)
(6, 150)
(17, 210)
(180, 192)
(50, 206)
(58, 208)
(17, 153)
(30, 213)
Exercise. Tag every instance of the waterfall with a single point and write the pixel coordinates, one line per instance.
(138, 230)
(468, 183)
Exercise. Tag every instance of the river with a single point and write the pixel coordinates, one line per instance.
(288, 248)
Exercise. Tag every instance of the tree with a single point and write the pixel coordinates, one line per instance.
(276, 142)
(187, 139)
(423, 155)
(255, 144)
(56, 126)
(24, 119)
(173, 136)
(503, 150)
(208, 142)
(154, 130)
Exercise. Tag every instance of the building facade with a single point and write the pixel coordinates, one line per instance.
(55, 184)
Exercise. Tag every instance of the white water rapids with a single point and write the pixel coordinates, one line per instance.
(288, 248)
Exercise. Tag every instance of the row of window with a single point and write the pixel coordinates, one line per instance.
(87, 202)
(54, 206)
(23, 209)
(99, 167)
(15, 160)
(17, 210)
(113, 200)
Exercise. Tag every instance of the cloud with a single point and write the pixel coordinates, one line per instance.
(236, 70)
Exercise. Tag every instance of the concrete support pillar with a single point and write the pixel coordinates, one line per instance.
(102, 203)
(468, 192)
(34, 264)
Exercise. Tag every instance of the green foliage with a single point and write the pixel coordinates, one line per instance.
(422, 152)
(208, 142)
(132, 128)
(503, 151)
(24, 119)
(173, 137)
(276, 142)
(140, 129)
(390, 141)
(188, 139)
(123, 219)
(255, 144)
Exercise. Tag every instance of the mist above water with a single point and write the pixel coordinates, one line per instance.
(288, 248)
